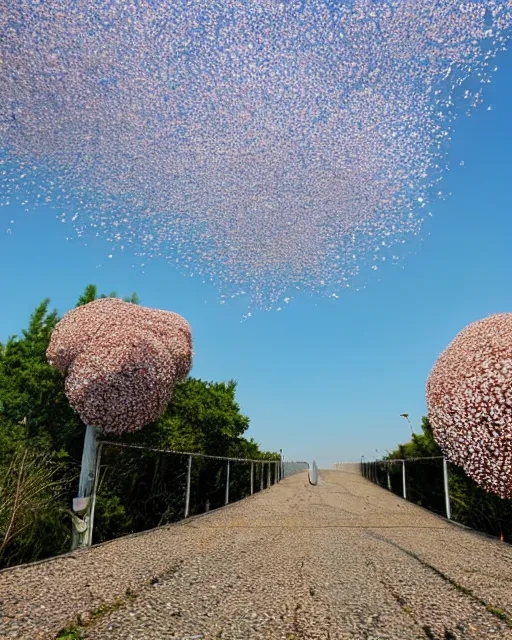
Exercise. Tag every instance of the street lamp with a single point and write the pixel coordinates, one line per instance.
(406, 416)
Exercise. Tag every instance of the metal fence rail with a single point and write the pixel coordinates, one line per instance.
(138, 488)
(423, 481)
(442, 487)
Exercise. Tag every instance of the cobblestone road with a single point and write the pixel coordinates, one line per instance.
(343, 560)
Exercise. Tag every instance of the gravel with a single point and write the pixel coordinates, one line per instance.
(343, 560)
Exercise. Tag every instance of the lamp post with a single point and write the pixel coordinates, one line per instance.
(406, 416)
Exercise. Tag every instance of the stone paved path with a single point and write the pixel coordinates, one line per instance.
(343, 560)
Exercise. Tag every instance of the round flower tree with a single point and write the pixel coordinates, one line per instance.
(469, 400)
(121, 363)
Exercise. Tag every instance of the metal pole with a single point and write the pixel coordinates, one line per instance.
(252, 478)
(446, 490)
(187, 495)
(268, 476)
(389, 479)
(93, 497)
(82, 503)
(403, 480)
(261, 476)
(227, 483)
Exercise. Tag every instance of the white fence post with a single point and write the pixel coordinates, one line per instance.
(187, 495)
(403, 480)
(252, 478)
(268, 476)
(389, 478)
(446, 490)
(227, 484)
(261, 476)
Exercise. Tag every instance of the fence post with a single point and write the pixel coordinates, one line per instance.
(446, 490)
(403, 480)
(389, 478)
(82, 502)
(252, 478)
(268, 476)
(261, 476)
(227, 484)
(187, 495)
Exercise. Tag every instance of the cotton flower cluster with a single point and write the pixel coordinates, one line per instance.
(121, 361)
(265, 145)
(469, 399)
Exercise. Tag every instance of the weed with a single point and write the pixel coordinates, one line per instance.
(499, 613)
(71, 632)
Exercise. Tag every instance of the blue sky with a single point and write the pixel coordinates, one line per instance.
(324, 379)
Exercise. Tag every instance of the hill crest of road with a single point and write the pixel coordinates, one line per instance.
(342, 560)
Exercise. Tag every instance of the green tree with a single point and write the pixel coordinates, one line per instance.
(137, 489)
(203, 417)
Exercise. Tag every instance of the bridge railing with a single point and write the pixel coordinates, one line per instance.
(138, 488)
(423, 481)
(441, 487)
(170, 486)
